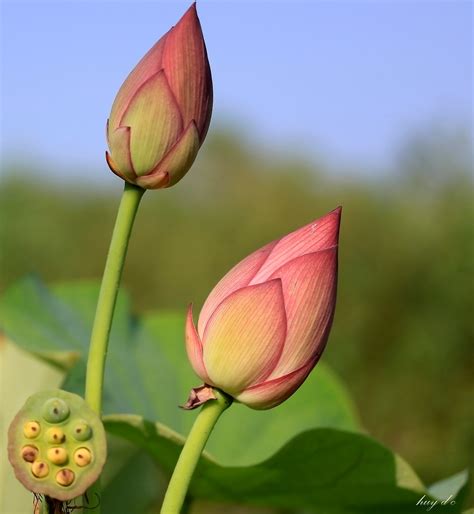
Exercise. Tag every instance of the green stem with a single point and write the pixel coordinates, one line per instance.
(105, 310)
(108, 295)
(191, 452)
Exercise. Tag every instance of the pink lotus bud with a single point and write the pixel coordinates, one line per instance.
(161, 114)
(265, 324)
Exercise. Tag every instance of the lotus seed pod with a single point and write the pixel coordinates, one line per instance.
(55, 435)
(69, 449)
(57, 455)
(31, 429)
(82, 457)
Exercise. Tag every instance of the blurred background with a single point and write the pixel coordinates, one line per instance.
(363, 104)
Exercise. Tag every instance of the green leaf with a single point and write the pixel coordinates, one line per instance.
(148, 372)
(323, 470)
(454, 488)
(449, 486)
(131, 482)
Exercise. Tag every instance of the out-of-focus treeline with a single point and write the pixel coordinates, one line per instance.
(403, 333)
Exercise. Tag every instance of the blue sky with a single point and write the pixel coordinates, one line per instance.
(346, 80)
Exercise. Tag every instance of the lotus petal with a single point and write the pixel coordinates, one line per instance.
(273, 392)
(194, 347)
(155, 180)
(155, 123)
(121, 162)
(321, 234)
(181, 156)
(309, 289)
(239, 276)
(244, 337)
(187, 70)
(148, 66)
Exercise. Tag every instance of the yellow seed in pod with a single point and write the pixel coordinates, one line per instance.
(82, 457)
(57, 455)
(29, 453)
(31, 429)
(39, 469)
(55, 435)
(65, 477)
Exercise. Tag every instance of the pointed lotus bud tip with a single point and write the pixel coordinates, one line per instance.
(190, 13)
(165, 104)
(338, 213)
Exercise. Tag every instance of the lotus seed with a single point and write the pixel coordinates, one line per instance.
(39, 469)
(55, 410)
(55, 435)
(57, 455)
(65, 477)
(29, 453)
(82, 457)
(82, 431)
(31, 429)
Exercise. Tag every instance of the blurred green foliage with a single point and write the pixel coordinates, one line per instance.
(403, 333)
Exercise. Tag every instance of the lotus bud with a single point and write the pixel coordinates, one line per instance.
(264, 326)
(161, 114)
(57, 445)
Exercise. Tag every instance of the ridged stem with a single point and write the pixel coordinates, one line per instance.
(106, 305)
(191, 452)
(108, 295)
